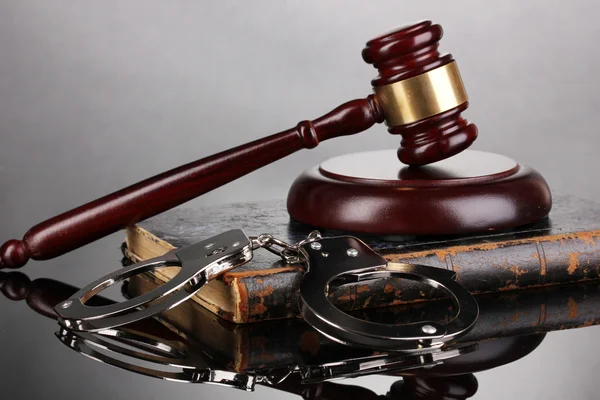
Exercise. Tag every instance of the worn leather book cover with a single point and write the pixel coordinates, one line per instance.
(562, 248)
(280, 343)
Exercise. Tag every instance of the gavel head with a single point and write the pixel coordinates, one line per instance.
(421, 93)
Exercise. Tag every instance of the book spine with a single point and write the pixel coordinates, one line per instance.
(481, 268)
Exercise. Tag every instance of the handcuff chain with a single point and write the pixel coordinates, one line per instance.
(290, 253)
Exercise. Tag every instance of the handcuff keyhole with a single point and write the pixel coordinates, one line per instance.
(217, 251)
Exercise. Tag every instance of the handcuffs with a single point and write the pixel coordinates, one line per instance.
(329, 262)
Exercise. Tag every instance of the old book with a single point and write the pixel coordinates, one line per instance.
(280, 343)
(562, 248)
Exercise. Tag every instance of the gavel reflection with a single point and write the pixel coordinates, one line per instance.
(418, 93)
(452, 380)
(43, 294)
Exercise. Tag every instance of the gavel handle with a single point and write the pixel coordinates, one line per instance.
(101, 217)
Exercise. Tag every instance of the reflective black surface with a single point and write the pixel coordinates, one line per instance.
(35, 364)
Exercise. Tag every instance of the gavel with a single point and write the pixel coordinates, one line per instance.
(418, 93)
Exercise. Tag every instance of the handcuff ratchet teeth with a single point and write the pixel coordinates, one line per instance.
(344, 258)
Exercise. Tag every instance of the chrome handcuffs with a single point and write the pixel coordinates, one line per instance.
(328, 261)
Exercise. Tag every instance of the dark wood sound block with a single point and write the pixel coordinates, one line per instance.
(373, 193)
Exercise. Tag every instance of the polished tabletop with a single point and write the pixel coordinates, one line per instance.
(35, 364)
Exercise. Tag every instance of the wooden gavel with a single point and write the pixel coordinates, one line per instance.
(418, 93)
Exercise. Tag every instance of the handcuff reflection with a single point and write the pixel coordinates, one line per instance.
(156, 357)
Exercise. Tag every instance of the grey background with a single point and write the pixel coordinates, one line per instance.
(97, 95)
